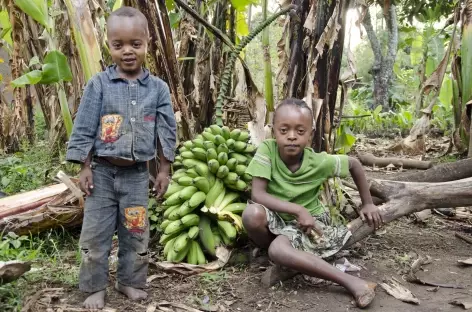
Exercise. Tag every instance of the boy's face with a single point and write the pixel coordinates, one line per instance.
(128, 41)
(292, 128)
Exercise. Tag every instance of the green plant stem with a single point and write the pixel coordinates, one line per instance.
(268, 87)
(64, 108)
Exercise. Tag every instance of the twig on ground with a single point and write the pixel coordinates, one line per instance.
(463, 237)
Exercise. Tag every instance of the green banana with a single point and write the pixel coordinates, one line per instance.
(169, 211)
(168, 246)
(227, 228)
(185, 181)
(187, 155)
(198, 143)
(240, 185)
(173, 199)
(219, 140)
(190, 220)
(216, 130)
(236, 208)
(219, 199)
(183, 149)
(225, 239)
(247, 177)
(211, 154)
(230, 143)
(181, 242)
(226, 132)
(208, 144)
(200, 256)
(214, 192)
(235, 134)
(202, 184)
(197, 199)
(164, 224)
(202, 169)
(177, 164)
(193, 232)
(250, 148)
(174, 227)
(175, 214)
(188, 145)
(239, 146)
(206, 235)
(211, 179)
(187, 192)
(178, 158)
(242, 160)
(222, 172)
(192, 254)
(222, 158)
(243, 136)
(231, 164)
(223, 148)
(167, 237)
(213, 165)
(184, 210)
(240, 169)
(176, 176)
(178, 257)
(200, 153)
(190, 163)
(173, 188)
(192, 173)
(208, 136)
(228, 199)
(231, 178)
(217, 238)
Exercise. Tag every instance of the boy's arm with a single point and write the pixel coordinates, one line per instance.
(167, 137)
(368, 211)
(260, 196)
(86, 123)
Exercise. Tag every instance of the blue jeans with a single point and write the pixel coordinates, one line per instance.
(119, 202)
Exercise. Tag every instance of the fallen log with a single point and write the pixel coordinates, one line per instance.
(457, 170)
(23, 202)
(370, 160)
(404, 198)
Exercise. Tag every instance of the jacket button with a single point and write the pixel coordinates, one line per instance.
(132, 119)
(133, 102)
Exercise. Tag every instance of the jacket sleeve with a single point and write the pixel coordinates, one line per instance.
(166, 125)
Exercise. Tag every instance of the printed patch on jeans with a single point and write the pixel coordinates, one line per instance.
(135, 219)
(110, 127)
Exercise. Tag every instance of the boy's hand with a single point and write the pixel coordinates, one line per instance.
(162, 182)
(306, 222)
(86, 179)
(372, 214)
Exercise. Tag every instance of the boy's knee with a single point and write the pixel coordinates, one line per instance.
(277, 248)
(254, 216)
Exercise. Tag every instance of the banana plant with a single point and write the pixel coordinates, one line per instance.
(55, 68)
(268, 86)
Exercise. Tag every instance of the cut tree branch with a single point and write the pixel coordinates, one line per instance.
(405, 198)
(370, 160)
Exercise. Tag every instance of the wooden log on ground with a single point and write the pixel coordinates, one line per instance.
(404, 198)
(23, 202)
(371, 160)
(461, 169)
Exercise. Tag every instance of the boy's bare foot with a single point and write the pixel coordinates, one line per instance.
(95, 300)
(364, 295)
(130, 292)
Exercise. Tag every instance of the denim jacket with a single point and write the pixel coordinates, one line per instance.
(123, 119)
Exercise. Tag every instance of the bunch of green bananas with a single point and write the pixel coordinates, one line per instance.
(203, 206)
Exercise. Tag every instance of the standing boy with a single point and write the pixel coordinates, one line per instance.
(124, 115)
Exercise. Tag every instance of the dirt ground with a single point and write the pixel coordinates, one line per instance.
(237, 287)
(389, 253)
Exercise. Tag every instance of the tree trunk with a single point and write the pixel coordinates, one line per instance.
(404, 198)
(382, 69)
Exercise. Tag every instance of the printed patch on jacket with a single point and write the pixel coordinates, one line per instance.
(149, 118)
(135, 219)
(110, 127)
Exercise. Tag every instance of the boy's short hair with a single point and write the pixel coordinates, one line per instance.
(294, 102)
(127, 11)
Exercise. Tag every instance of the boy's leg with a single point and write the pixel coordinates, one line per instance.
(255, 223)
(98, 227)
(282, 253)
(133, 232)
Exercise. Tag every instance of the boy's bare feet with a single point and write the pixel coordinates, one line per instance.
(365, 294)
(130, 292)
(95, 300)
